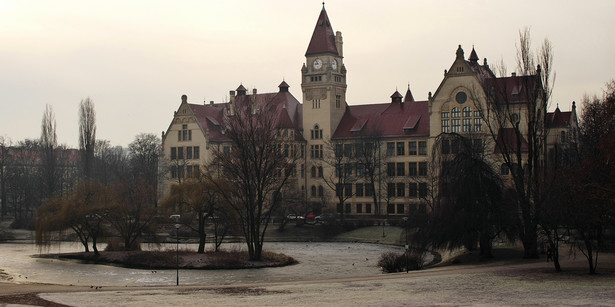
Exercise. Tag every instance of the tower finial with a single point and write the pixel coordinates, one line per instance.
(323, 5)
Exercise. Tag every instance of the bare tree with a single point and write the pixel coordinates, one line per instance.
(196, 197)
(339, 157)
(515, 113)
(87, 135)
(144, 153)
(49, 142)
(371, 159)
(5, 147)
(257, 170)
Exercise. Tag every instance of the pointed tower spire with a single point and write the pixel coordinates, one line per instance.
(323, 38)
(408, 97)
(473, 56)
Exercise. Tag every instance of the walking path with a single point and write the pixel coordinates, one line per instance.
(503, 283)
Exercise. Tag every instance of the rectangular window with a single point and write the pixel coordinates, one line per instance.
(444, 114)
(467, 124)
(391, 189)
(316, 151)
(189, 152)
(422, 190)
(413, 192)
(478, 124)
(348, 190)
(359, 208)
(400, 208)
(348, 208)
(390, 148)
(390, 208)
(369, 190)
(401, 148)
(180, 172)
(390, 169)
(347, 169)
(180, 153)
(189, 171)
(401, 189)
(456, 123)
(338, 189)
(359, 189)
(348, 150)
(338, 101)
(368, 208)
(422, 148)
(412, 171)
(467, 112)
(422, 168)
(412, 148)
(360, 170)
(401, 168)
(445, 126)
(173, 171)
(196, 152)
(173, 153)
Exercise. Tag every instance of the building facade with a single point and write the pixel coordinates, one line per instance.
(375, 159)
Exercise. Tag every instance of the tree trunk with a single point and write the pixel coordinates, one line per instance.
(529, 239)
(485, 246)
(202, 234)
(94, 247)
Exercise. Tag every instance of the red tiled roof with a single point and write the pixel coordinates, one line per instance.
(387, 120)
(282, 105)
(558, 118)
(507, 140)
(511, 90)
(323, 38)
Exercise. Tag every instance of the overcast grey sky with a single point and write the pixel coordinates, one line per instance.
(135, 59)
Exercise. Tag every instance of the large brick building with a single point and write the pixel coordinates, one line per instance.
(374, 159)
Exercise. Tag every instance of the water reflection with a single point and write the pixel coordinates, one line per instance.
(316, 261)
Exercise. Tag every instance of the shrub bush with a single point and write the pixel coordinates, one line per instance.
(392, 262)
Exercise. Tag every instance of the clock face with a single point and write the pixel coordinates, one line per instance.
(334, 64)
(317, 64)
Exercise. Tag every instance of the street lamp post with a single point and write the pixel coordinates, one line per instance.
(176, 218)
(407, 246)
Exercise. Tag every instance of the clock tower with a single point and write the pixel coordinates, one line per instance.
(323, 82)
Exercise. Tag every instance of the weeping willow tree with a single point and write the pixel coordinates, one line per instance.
(471, 207)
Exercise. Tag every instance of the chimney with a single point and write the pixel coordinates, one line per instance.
(514, 74)
(254, 91)
(232, 96)
(211, 102)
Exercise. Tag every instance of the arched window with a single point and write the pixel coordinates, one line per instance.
(313, 171)
(467, 112)
(320, 191)
(313, 191)
(455, 112)
(316, 133)
(320, 171)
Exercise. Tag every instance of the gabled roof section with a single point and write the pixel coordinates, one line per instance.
(508, 140)
(512, 90)
(558, 119)
(323, 38)
(386, 120)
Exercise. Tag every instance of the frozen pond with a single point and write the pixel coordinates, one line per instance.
(316, 261)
